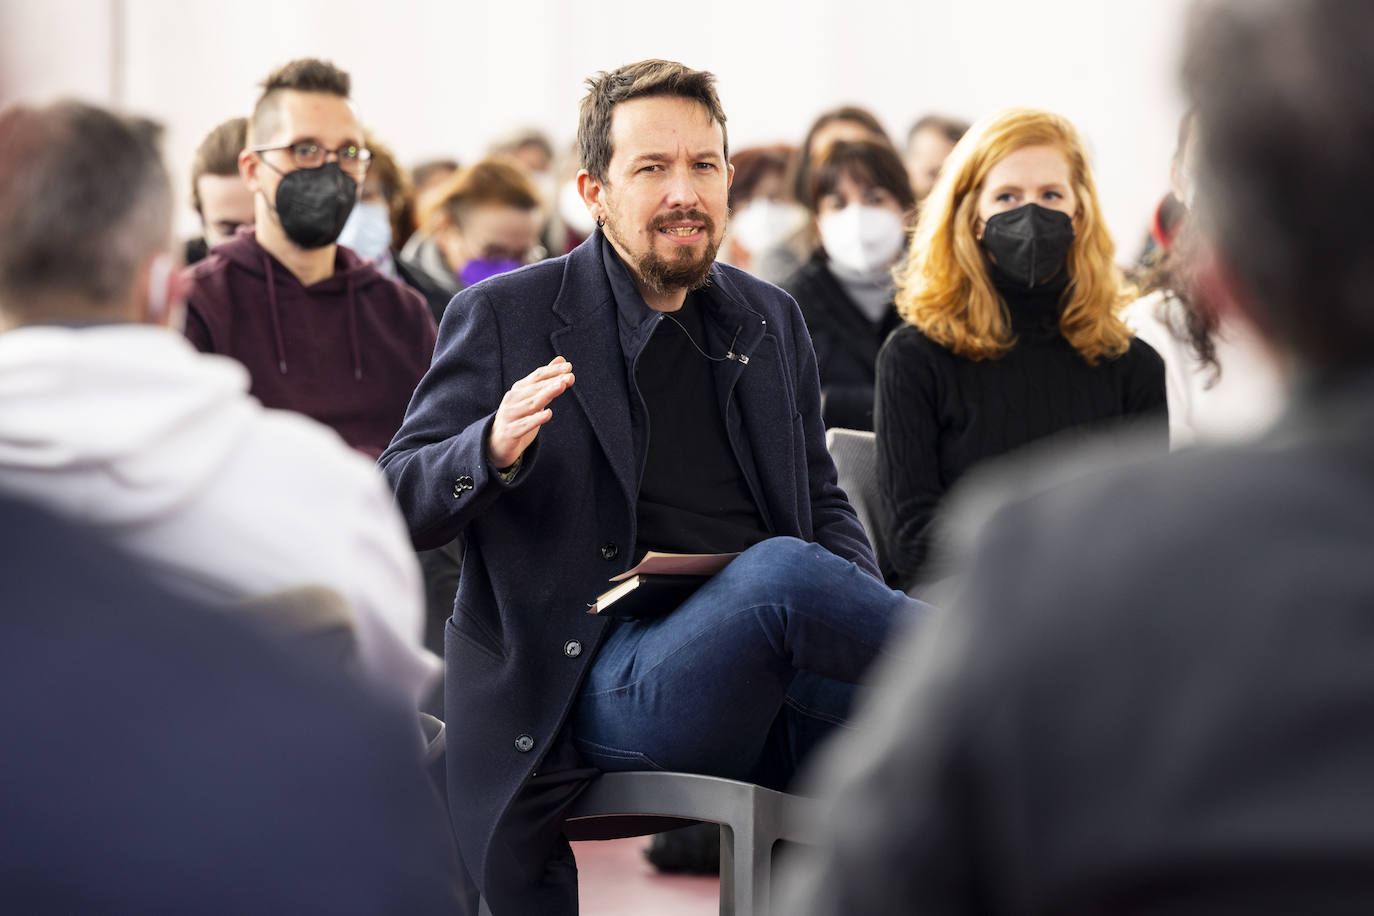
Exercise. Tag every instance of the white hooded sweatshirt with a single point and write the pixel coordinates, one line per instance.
(128, 429)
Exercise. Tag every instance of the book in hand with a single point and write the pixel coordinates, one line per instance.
(658, 584)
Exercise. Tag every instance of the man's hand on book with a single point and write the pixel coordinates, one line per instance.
(524, 409)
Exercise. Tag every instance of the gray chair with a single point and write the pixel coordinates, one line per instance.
(855, 453)
(753, 819)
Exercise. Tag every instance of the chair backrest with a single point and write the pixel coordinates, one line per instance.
(855, 453)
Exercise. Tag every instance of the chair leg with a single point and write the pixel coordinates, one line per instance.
(745, 871)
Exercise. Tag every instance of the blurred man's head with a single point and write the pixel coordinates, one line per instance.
(85, 217)
(218, 192)
(928, 143)
(305, 156)
(1285, 125)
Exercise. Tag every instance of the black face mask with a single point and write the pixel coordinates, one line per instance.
(313, 204)
(1030, 243)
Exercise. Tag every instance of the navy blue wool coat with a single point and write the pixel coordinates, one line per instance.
(540, 548)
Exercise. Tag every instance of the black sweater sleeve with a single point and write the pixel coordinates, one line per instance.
(907, 423)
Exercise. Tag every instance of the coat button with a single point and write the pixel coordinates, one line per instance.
(461, 485)
(609, 551)
(524, 744)
(572, 648)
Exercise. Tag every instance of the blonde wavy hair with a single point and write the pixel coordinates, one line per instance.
(944, 288)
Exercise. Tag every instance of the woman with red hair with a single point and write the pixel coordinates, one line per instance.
(1012, 330)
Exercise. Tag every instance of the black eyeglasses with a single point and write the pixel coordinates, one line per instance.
(307, 154)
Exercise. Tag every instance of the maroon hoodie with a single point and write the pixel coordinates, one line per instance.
(347, 351)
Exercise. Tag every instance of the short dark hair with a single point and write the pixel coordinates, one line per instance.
(84, 200)
(636, 81)
(950, 128)
(1285, 125)
(218, 154)
(872, 163)
(801, 165)
(308, 74)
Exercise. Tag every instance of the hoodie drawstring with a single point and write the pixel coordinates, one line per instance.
(276, 319)
(353, 332)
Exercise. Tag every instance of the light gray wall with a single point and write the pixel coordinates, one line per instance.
(442, 77)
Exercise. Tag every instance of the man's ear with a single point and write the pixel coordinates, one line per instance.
(591, 191)
(729, 173)
(248, 170)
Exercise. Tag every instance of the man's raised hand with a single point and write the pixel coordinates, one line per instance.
(524, 409)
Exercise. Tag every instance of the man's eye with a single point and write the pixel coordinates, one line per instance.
(348, 152)
(651, 168)
(707, 166)
(305, 149)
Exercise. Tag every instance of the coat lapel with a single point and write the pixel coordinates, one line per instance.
(591, 342)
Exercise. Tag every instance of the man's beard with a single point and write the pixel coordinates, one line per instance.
(660, 275)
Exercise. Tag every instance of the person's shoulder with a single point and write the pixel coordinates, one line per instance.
(295, 446)
(908, 340)
(806, 278)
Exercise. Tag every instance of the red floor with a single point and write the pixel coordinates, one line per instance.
(614, 879)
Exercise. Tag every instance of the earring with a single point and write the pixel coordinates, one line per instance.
(600, 222)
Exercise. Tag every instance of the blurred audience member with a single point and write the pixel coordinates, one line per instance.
(928, 143)
(763, 219)
(863, 208)
(1154, 695)
(848, 122)
(160, 757)
(218, 193)
(845, 123)
(1012, 332)
(572, 223)
(486, 222)
(530, 150)
(111, 418)
(1222, 381)
(376, 220)
(426, 178)
(320, 330)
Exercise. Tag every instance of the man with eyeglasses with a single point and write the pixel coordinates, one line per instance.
(320, 330)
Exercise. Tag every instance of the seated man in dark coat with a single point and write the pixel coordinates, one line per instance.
(1155, 693)
(692, 425)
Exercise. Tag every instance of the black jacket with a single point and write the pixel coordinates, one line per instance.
(1153, 698)
(543, 546)
(846, 344)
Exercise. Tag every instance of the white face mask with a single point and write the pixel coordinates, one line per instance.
(763, 224)
(368, 230)
(573, 210)
(865, 240)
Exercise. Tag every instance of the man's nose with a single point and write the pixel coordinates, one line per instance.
(681, 191)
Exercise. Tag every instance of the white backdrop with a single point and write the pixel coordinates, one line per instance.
(442, 77)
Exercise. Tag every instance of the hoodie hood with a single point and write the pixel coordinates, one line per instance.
(116, 424)
(351, 275)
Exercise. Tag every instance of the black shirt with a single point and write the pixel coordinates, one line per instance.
(939, 414)
(693, 497)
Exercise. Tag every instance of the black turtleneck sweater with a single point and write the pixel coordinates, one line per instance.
(938, 414)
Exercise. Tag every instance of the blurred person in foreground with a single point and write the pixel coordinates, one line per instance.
(1222, 380)
(162, 757)
(108, 415)
(863, 206)
(1012, 328)
(320, 330)
(928, 143)
(218, 193)
(1153, 694)
(485, 221)
(634, 395)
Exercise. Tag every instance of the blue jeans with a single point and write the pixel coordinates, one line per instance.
(744, 677)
